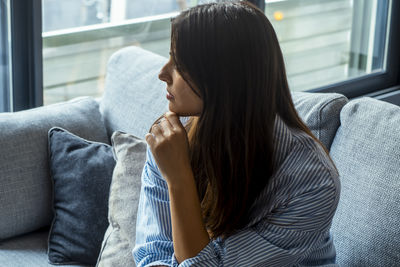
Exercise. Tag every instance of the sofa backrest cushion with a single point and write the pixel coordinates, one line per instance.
(134, 96)
(320, 112)
(366, 150)
(25, 184)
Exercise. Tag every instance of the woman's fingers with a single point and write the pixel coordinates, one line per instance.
(166, 127)
(156, 130)
(150, 139)
(173, 120)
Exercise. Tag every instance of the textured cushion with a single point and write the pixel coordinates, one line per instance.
(119, 239)
(25, 185)
(366, 150)
(134, 96)
(26, 250)
(81, 171)
(320, 112)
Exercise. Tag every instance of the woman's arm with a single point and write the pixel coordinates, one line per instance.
(189, 234)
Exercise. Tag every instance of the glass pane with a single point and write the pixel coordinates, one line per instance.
(80, 35)
(325, 42)
(4, 57)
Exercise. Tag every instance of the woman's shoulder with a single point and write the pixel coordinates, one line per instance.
(312, 152)
(299, 149)
(305, 165)
(304, 177)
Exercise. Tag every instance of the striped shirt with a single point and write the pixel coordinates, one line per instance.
(293, 231)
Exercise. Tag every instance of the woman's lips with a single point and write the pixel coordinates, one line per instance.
(169, 96)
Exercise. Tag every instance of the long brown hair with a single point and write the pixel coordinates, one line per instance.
(230, 53)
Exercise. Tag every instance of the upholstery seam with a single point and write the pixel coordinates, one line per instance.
(320, 113)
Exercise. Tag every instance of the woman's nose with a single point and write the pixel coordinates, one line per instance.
(164, 76)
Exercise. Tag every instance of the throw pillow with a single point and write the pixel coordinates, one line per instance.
(119, 240)
(81, 172)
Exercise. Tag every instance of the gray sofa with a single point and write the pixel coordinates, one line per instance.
(363, 136)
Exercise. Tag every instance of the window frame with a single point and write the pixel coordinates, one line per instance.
(26, 49)
(5, 82)
(26, 54)
(378, 82)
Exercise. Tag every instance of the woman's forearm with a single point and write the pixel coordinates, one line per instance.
(189, 234)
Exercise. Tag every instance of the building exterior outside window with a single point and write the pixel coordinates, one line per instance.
(318, 38)
(323, 42)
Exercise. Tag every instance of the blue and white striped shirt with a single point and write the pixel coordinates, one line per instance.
(293, 231)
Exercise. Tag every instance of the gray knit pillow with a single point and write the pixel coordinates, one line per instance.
(119, 239)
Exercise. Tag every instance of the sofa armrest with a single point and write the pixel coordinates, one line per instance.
(25, 184)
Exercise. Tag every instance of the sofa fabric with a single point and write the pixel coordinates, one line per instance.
(134, 97)
(119, 239)
(321, 113)
(81, 172)
(366, 151)
(25, 185)
(27, 250)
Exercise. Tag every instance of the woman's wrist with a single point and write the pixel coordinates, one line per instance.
(181, 180)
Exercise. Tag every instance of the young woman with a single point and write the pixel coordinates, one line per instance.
(243, 182)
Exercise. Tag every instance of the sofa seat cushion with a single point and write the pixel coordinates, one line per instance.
(27, 250)
(25, 184)
(366, 150)
(320, 112)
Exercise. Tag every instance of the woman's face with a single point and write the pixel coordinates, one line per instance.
(182, 100)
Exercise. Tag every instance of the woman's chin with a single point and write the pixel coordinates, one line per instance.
(172, 108)
(182, 112)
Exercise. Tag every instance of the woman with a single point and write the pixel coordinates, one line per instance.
(243, 182)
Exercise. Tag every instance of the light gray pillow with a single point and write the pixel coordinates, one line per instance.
(366, 150)
(119, 239)
(25, 184)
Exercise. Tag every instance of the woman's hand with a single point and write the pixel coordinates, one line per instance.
(169, 144)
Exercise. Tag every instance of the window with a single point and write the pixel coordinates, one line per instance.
(345, 46)
(4, 57)
(326, 42)
(80, 35)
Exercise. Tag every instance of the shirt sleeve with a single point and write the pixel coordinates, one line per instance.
(153, 244)
(285, 238)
